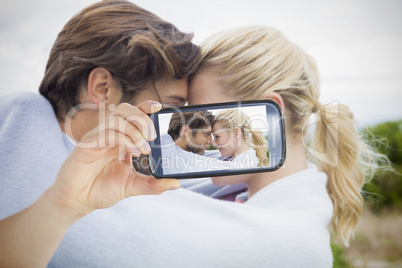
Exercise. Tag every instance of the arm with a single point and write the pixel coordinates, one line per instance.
(89, 179)
(30, 237)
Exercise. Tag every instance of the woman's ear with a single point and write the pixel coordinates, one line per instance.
(102, 88)
(277, 98)
(237, 132)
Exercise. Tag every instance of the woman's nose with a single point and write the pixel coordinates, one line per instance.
(214, 143)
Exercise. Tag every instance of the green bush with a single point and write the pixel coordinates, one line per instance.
(211, 147)
(385, 190)
(340, 260)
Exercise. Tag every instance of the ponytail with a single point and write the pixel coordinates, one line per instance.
(346, 160)
(259, 144)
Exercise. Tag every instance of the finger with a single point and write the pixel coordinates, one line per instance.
(134, 134)
(134, 137)
(136, 117)
(122, 142)
(150, 106)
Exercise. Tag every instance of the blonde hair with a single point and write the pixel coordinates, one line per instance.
(255, 60)
(234, 118)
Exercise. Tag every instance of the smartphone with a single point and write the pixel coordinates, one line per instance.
(218, 139)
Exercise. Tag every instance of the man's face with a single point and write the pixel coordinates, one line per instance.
(199, 139)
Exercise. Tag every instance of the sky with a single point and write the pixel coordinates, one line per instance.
(357, 44)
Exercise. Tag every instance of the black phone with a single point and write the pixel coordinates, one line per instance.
(218, 139)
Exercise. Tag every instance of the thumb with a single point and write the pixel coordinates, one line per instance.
(159, 186)
(147, 185)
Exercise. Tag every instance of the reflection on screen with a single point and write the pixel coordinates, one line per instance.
(214, 140)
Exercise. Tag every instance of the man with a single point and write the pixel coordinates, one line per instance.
(114, 52)
(191, 131)
(183, 147)
(111, 52)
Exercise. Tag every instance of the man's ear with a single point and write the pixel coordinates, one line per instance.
(277, 98)
(99, 85)
(185, 130)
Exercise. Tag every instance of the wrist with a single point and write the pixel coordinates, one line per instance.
(56, 208)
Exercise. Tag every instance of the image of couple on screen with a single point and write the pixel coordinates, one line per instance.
(199, 141)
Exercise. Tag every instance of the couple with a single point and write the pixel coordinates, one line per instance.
(189, 134)
(125, 62)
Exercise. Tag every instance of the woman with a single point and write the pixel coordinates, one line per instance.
(260, 63)
(233, 136)
(283, 223)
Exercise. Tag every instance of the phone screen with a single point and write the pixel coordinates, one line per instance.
(217, 140)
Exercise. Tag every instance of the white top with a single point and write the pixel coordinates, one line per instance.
(283, 225)
(246, 160)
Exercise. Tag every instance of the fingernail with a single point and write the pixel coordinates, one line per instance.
(151, 133)
(147, 147)
(171, 189)
(155, 104)
(135, 154)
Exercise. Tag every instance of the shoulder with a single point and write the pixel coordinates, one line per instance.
(26, 113)
(27, 101)
(247, 159)
(166, 139)
(23, 98)
(304, 191)
(24, 107)
(250, 153)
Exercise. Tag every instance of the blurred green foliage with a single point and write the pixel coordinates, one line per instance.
(340, 260)
(385, 189)
(211, 147)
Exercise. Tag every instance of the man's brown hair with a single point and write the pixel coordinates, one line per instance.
(133, 44)
(195, 120)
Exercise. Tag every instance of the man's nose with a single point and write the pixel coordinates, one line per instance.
(209, 139)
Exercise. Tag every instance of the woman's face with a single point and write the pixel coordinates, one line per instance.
(205, 88)
(223, 139)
